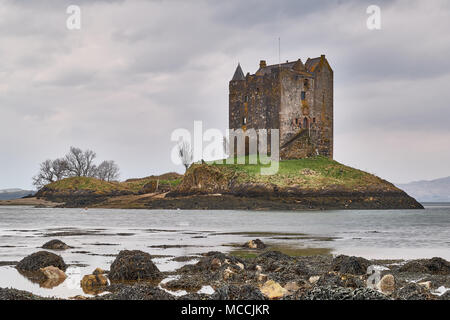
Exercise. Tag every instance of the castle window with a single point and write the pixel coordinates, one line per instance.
(303, 95)
(244, 121)
(245, 98)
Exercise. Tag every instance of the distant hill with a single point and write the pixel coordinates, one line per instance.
(11, 194)
(428, 191)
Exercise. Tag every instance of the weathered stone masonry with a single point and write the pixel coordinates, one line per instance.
(293, 97)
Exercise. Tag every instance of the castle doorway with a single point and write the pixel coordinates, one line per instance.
(305, 123)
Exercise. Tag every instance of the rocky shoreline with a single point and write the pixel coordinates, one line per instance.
(265, 274)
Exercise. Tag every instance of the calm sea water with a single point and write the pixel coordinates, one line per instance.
(97, 235)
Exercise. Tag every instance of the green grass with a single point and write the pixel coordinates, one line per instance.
(99, 186)
(314, 173)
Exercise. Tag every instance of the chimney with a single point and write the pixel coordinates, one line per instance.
(262, 64)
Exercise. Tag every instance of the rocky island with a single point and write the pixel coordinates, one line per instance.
(310, 183)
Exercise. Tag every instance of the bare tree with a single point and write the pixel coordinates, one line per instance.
(45, 175)
(77, 163)
(50, 171)
(60, 168)
(107, 171)
(81, 163)
(185, 153)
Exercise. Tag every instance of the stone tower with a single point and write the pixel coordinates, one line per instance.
(293, 97)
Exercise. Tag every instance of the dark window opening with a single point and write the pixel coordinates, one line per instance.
(314, 120)
(303, 95)
(246, 98)
(306, 84)
(244, 121)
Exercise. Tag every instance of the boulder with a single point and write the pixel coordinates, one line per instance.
(233, 292)
(254, 244)
(92, 282)
(133, 265)
(55, 245)
(432, 266)
(387, 284)
(51, 277)
(412, 291)
(273, 290)
(351, 265)
(41, 259)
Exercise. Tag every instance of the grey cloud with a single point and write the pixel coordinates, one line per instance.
(139, 69)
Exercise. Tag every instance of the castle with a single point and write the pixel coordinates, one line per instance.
(293, 97)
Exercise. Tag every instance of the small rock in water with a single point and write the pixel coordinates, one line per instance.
(91, 283)
(55, 245)
(52, 277)
(273, 290)
(52, 272)
(255, 244)
(387, 284)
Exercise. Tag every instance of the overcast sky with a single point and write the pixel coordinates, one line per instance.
(137, 70)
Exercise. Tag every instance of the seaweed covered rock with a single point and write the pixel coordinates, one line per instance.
(433, 266)
(133, 265)
(254, 244)
(351, 265)
(138, 291)
(412, 291)
(55, 245)
(273, 260)
(233, 292)
(339, 293)
(212, 262)
(41, 259)
(186, 283)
